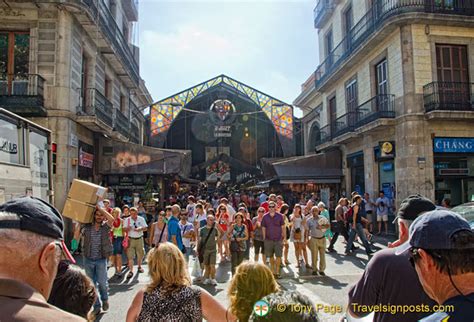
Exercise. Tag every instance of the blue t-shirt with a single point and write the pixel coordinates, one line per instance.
(173, 230)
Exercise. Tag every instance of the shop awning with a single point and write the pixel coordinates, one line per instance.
(314, 168)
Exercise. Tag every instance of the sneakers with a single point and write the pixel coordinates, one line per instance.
(315, 273)
(105, 306)
(207, 281)
(213, 282)
(322, 274)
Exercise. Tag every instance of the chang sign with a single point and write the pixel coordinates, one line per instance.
(453, 145)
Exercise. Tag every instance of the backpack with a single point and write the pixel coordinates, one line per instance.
(348, 215)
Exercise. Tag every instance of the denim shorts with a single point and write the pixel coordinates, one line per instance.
(118, 248)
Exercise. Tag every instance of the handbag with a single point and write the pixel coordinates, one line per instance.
(335, 226)
(125, 242)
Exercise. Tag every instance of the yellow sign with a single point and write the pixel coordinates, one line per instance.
(387, 147)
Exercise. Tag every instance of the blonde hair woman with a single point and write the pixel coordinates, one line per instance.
(170, 296)
(251, 282)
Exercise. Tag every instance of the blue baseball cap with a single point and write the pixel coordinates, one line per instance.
(434, 230)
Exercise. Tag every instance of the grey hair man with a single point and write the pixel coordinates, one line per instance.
(441, 249)
(390, 279)
(31, 231)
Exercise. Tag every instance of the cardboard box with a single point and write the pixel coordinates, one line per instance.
(81, 201)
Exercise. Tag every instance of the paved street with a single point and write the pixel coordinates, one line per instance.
(342, 272)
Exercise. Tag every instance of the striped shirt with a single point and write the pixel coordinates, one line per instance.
(95, 243)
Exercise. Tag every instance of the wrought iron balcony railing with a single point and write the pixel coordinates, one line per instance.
(122, 124)
(322, 12)
(134, 133)
(98, 105)
(106, 22)
(448, 96)
(379, 106)
(373, 21)
(22, 94)
(343, 124)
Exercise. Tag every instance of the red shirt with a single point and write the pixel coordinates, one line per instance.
(265, 206)
(223, 220)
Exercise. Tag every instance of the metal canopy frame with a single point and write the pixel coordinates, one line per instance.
(164, 112)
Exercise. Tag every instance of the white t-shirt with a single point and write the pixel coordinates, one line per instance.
(190, 210)
(368, 204)
(184, 229)
(138, 223)
(200, 218)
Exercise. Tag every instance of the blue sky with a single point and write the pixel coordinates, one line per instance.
(269, 45)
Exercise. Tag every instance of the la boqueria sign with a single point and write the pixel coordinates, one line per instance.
(453, 145)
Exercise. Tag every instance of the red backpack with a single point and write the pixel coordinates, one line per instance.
(348, 215)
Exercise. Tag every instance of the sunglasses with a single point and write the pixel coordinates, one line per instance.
(414, 255)
(261, 211)
(271, 207)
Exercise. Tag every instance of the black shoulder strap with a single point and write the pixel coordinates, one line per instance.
(162, 231)
(208, 235)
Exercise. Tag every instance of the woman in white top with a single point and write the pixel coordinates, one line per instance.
(158, 231)
(298, 222)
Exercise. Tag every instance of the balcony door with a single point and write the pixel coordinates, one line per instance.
(381, 86)
(351, 101)
(14, 57)
(329, 42)
(348, 24)
(332, 114)
(84, 84)
(453, 76)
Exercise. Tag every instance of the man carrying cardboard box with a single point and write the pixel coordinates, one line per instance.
(97, 248)
(135, 226)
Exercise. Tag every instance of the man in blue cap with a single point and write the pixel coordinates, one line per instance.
(441, 249)
(31, 231)
(389, 279)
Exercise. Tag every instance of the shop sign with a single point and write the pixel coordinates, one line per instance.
(8, 147)
(222, 131)
(86, 160)
(387, 149)
(453, 145)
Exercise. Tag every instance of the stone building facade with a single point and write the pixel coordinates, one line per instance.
(72, 67)
(393, 93)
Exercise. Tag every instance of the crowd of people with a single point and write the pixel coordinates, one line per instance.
(431, 262)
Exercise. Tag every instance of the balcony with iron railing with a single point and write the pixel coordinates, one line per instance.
(122, 124)
(448, 96)
(101, 17)
(96, 112)
(374, 20)
(22, 94)
(378, 107)
(130, 7)
(322, 12)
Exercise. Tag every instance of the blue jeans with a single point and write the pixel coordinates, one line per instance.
(359, 230)
(189, 252)
(96, 269)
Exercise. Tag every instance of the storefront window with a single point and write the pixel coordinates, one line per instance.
(39, 164)
(454, 179)
(10, 148)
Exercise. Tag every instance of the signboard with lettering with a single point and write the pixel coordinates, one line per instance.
(453, 145)
(9, 138)
(86, 160)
